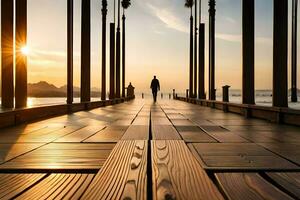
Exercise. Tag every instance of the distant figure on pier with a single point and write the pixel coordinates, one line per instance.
(155, 87)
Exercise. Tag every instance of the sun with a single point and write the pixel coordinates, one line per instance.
(25, 50)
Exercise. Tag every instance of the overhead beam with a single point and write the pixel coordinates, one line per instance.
(7, 62)
(248, 51)
(86, 51)
(280, 54)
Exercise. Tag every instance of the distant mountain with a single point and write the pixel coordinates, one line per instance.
(45, 89)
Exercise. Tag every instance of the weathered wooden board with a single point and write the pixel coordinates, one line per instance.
(59, 186)
(109, 134)
(177, 174)
(123, 175)
(12, 185)
(136, 132)
(160, 121)
(81, 134)
(290, 181)
(164, 132)
(62, 156)
(240, 156)
(248, 186)
(141, 121)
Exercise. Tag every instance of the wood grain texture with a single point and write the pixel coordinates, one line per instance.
(290, 181)
(109, 134)
(13, 184)
(81, 134)
(248, 186)
(62, 156)
(136, 132)
(192, 136)
(227, 137)
(164, 132)
(124, 173)
(59, 186)
(240, 156)
(177, 174)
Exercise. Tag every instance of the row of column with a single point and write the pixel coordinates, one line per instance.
(11, 89)
(280, 52)
(14, 91)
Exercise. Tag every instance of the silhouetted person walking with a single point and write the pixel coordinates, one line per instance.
(155, 87)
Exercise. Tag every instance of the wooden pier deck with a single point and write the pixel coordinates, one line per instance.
(141, 150)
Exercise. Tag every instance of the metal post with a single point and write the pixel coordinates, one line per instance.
(21, 54)
(103, 85)
(201, 78)
(70, 22)
(294, 50)
(191, 56)
(212, 13)
(226, 93)
(112, 62)
(118, 55)
(123, 56)
(86, 51)
(248, 52)
(280, 54)
(195, 52)
(7, 61)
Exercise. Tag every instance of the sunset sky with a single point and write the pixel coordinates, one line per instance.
(157, 42)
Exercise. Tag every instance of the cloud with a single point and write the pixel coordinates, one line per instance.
(168, 18)
(238, 38)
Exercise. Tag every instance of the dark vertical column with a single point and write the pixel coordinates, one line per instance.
(294, 51)
(201, 78)
(104, 13)
(86, 51)
(21, 57)
(212, 14)
(191, 57)
(280, 53)
(112, 62)
(70, 52)
(123, 56)
(118, 56)
(195, 52)
(7, 72)
(248, 52)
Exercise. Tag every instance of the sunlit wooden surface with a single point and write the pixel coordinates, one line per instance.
(141, 150)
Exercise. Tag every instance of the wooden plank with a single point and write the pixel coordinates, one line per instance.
(228, 137)
(136, 132)
(210, 129)
(124, 173)
(164, 132)
(81, 134)
(248, 186)
(64, 156)
(178, 175)
(192, 136)
(160, 121)
(290, 181)
(141, 121)
(13, 184)
(182, 122)
(239, 156)
(10, 151)
(109, 134)
(59, 186)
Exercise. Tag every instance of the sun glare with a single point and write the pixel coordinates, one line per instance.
(25, 50)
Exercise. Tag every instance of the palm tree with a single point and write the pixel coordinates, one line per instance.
(189, 4)
(125, 5)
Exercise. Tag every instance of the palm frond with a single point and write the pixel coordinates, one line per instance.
(126, 4)
(189, 3)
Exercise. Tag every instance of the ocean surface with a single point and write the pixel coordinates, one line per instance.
(262, 98)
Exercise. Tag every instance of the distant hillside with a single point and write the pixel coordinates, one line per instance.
(45, 89)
